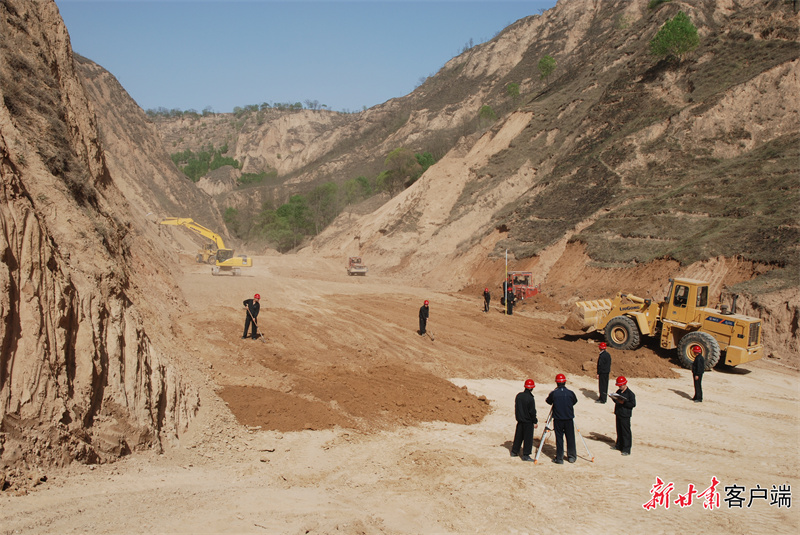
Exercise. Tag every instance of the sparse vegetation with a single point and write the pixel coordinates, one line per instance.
(308, 214)
(676, 38)
(257, 178)
(652, 4)
(546, 67)
(401, 169)
(195, 165)
(486, 116)
(238, 111)
(512, 90)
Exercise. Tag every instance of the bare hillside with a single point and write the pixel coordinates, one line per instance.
(620, 163)
(637, 159)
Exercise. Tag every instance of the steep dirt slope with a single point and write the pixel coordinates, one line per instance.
(136, 157)
(87, 366)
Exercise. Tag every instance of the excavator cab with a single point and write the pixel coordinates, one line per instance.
(224, 254)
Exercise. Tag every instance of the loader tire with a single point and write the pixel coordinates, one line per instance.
(212, 259)
(706, 342)
(199, 259)
(622, 333)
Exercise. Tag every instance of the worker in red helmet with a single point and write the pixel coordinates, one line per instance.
(487, 296)
(424, 313)
(510, 298)
(253, 307)
(698, 368)
(525, 412)
(625, 401)
(603, 371)
(563, 400)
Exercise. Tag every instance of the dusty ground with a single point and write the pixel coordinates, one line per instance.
(350, 422)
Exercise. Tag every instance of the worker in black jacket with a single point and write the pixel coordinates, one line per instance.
(625, 402)
(424, 312)
(253, 307)
(698, 368)
(486, 298)
(525, 412)
(510, 299)
(562, 399)
(603, 370)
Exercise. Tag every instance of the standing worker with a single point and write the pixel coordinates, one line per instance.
(510, 298)
(698, 368)
(562, 399)
(486, 298)
(525, 412)
(424, 312)
(603, 369)
(625, 402)
(506, 284)
(253, 307)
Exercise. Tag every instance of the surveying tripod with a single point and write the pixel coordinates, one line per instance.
(546, 433)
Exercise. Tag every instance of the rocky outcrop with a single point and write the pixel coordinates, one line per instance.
(84, 372)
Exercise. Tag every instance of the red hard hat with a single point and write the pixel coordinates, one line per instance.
(257, 296)
(561, 378)
(602, 345)
(486, 289)
(530, 384)
(697, 349)
(621, 380)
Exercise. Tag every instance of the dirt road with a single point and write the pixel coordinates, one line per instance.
(348, 421)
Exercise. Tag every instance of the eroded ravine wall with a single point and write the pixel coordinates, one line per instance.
(80, 375)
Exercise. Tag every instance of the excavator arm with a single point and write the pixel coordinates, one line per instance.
(196, 228)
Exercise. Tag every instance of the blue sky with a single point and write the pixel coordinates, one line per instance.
(194, 54)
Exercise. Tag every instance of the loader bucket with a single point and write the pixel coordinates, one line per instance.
(586, 315)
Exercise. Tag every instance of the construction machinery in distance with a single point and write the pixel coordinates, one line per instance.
(684, 320)
(215, 253)
(522, 284)
(355, 267)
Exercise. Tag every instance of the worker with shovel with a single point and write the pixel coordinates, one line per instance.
(424, 313)
(253, 307)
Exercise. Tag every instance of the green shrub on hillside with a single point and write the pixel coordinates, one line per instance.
(356, 189)
(195, 165)
(512, 90)
(676, 38)
(546, 67)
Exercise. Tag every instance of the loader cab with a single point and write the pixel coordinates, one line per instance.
(684, 298)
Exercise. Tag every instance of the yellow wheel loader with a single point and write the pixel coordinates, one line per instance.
(683, 321)
(214, 253)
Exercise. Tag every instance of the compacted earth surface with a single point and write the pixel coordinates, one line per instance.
(343, 419)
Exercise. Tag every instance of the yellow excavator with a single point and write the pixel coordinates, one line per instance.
(214, 253)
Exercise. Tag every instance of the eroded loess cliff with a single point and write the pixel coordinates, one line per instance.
(81, 374)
